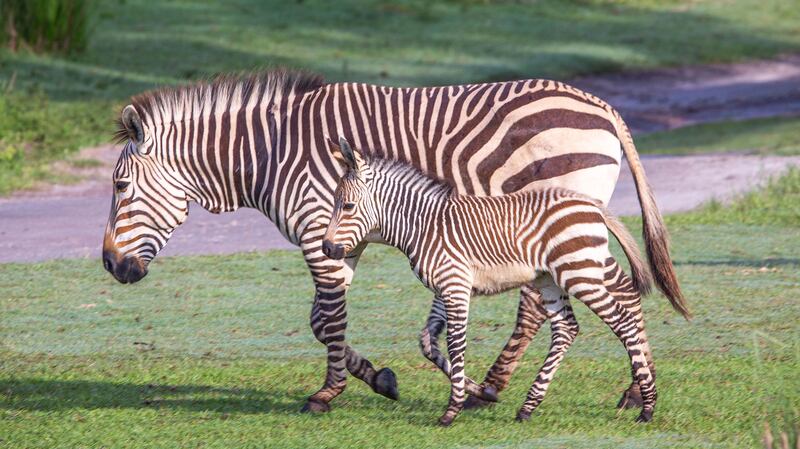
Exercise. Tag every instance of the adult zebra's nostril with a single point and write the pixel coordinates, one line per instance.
(108, 261)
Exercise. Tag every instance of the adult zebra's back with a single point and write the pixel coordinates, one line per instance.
(262, 141)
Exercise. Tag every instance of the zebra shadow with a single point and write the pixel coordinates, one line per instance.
(53, 395)
(35, 394)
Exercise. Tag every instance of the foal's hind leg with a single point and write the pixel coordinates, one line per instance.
(591, 291)
(429, 345)
(621, 287)
(531, 313)
(564, 328)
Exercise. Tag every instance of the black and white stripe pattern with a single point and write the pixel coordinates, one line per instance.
(551, 240)
(261, 141)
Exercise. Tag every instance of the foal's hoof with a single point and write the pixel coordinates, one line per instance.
(631, 398)
(645, 416)
(487, 397)
(315, 407)
(385, 384)
(523, 416)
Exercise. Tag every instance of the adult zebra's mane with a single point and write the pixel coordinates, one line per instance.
(223, 93)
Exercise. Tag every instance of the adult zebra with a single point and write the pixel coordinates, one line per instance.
(262, 141)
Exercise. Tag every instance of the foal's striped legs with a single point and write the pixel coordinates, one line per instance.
(564, 328)
(592, 292)
(429, 345)
(531, 316)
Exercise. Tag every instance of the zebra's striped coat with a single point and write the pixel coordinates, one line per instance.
(459, 246)
(261, 141)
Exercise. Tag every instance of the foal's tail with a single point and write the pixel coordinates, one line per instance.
(640, 273)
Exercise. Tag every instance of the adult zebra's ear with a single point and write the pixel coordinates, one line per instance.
(133, 127)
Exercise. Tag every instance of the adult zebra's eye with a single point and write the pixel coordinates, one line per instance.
(121, 186)
(349, 206)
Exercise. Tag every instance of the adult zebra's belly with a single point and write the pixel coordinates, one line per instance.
(585, 161)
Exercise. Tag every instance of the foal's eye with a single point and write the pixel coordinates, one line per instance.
(349, 206)
(121, 186)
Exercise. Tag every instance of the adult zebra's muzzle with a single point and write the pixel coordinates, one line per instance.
(332, 250)
(127, 270)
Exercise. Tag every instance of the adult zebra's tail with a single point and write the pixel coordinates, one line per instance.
(656, 238)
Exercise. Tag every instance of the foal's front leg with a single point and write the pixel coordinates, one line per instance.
(429, 345)
(456, 302)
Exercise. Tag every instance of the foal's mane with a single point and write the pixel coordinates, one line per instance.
(406, 171)
(222, 92)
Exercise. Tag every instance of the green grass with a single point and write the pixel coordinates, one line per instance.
(137, 44)
(215, 351)
(778, 203)
(35, 130)
(777, 136)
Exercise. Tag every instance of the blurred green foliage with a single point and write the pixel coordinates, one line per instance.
(60, 26)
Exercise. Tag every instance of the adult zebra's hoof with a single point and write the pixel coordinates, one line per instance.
(489, 393)
(476, 402)
(631, 398)
(385, 384)
(315, 407)
(486, 398)
(645, 416)
(523, 416)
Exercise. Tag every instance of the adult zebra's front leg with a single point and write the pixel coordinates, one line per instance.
(531, 313)
(329, 322)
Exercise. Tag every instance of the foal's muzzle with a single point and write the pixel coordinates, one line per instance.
(127, 270)
(332, 250)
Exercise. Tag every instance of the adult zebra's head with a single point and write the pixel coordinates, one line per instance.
(149, 202)
(355, 212)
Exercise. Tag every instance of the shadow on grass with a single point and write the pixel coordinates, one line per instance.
(54, 395)
(38, 394)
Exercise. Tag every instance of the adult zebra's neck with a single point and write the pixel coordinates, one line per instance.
(220, 140)
(410, 204)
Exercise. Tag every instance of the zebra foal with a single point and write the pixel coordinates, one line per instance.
(457, 245)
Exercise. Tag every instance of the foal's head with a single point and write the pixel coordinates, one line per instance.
(355, 211)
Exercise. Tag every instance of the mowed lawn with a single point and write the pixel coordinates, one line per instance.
(217, 351)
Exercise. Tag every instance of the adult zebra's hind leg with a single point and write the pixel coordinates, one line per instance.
(429, 345)
(531, 313)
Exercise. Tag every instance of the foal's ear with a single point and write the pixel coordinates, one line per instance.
(348, 153)
(345, 154)
(132, 124)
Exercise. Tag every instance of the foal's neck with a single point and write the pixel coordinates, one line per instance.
(410, 205)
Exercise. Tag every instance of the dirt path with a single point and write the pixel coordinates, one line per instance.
(68, 221)
(664, 99)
